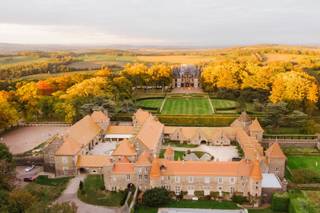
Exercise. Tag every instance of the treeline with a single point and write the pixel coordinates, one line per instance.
(70, 97)
(274, 81)
(12, 71)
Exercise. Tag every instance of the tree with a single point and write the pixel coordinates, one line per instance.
(296, 88)
(20, 200)
(6, 168)
(155, 197)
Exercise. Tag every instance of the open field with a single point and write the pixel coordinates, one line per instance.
(26, 138)
(48, 75)
(20, 59)
(184, 59)
(187, 106)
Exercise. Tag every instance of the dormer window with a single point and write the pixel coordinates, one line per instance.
(163, 168)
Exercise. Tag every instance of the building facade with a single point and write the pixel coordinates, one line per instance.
(186, 76)
(135, 160)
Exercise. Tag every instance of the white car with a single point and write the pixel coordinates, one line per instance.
(28, 169)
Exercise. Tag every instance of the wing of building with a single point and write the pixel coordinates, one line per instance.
(135, 156)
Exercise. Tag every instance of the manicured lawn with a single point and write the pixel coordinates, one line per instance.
(200, 204)
(150, 103)
(44, 180)
(301, 151)
(178, 155)
(178, 144)
(223, 103)
(304, 162)
(187, 106)
(266, 210)
(93, 193)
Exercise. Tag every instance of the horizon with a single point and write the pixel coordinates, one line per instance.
(164, 24)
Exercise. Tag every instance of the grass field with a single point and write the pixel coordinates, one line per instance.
(187, 106)
(20, 59)
(223, 103)
(184, 59)
(93, 192)
(150, 103)
(304, 162)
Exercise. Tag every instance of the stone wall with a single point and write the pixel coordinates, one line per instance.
(290, 142)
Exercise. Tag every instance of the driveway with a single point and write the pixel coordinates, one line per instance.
(220, 153)
(70, 195)
(23, 139)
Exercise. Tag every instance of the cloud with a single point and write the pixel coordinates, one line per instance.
(54, 34)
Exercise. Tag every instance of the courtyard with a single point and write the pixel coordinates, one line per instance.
(105, 148)
(23, 139)
(220, 153)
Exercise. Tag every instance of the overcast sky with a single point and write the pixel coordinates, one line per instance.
(160, 22)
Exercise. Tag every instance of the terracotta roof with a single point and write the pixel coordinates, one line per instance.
(155, 169)
(201, 168)
(93, 161)
(209, 132)
(144, 159)
(255, 126)
(251, 147)
(256, 171)
(68, 147)
(98, 116)
(123, 168)
(150, 133)
(120, 130)
(125, 148)
(275, 151)
(141, 116)
(124, 159)
(169, 151)
(84, 131)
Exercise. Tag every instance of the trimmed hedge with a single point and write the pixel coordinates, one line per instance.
(299, 205)
(280, 202)
(190, 120)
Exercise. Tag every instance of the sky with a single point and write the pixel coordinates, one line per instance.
(211, 23)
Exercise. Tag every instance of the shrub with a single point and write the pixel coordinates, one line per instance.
(155, 197)
(81, 185)
(299, 205)
(239, 199)
(199, 193)
(280, 202)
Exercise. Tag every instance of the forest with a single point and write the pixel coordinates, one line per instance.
(266, 76)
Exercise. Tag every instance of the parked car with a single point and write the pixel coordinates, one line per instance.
(29, 168)
(30, 178)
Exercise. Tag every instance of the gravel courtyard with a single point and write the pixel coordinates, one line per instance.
(26, 138)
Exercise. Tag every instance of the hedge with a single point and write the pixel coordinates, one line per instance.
(280, 202)
(299, 205)
(190, 120)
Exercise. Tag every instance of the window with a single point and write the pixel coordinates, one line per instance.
(140, 177)
(167, 187)
(232, 180)
(146, 177)
(190, 187)
(220, 180)
(65, 160)
(178, 190)
(128, 177)
(190, 179)
(177, 179)
(206, 179)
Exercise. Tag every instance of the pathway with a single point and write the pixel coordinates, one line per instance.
(70, 195)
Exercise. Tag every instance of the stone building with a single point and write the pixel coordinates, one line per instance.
(186, 76)
(135, 160)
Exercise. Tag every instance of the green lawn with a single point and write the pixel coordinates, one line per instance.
(223, 104)
(177, 154)
(44, 180)
(304, 162)
(199, 204)
(187, 106)
(150, 103)
(178, 144)
(20, 59)
(93, 192)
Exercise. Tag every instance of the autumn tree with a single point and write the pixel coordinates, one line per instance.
(297, 88)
